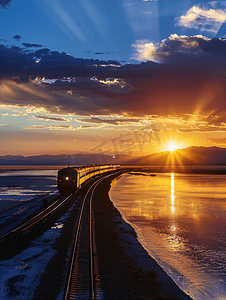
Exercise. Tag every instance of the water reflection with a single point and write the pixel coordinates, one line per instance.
(172, 194)
(181, 220)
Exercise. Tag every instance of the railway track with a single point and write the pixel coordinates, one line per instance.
(61, 200)
(83, 280)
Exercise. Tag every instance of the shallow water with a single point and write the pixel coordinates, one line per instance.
(18, 186)
(181, 220)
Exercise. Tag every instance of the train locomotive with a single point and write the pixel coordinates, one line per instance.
(72, 178)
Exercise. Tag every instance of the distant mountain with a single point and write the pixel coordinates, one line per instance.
(71, 160)
(213, 156)
(187, 157)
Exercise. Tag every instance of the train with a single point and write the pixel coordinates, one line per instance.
(72, 178)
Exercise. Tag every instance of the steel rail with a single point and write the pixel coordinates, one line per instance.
(76, 244)
(76, 240)
(91, 232)
(48, 213)
(37, 218)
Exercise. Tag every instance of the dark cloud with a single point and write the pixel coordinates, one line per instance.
(21, 64)
(88, 127)
(204, 129)
(4, 3)
(28, 45)
(42, 52)
(191, 81)
(184, 49)
(51, 118)
(17, 37)
(216, 120)
(51, 127)
(2, 40)
(103, 53)
(218, 141)
(109, 52)
(108, 121)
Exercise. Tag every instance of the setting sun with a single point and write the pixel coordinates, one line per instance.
(172, 147)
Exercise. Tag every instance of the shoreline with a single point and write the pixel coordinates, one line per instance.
(188, 169)
(144, 260)
(163, 286)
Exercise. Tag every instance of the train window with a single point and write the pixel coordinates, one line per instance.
(63, 173)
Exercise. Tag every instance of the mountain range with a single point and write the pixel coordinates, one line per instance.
(190, 156)
(69, 160)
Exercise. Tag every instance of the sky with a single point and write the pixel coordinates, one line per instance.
(113, 77)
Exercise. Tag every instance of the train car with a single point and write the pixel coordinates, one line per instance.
(71, 178)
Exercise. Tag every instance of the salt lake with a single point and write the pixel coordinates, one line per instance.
(181, 221)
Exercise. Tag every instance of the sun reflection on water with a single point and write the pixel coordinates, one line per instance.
(172, 194)
(180, 219)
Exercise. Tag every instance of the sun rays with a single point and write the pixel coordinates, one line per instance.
(172, 146)
(176, 157)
